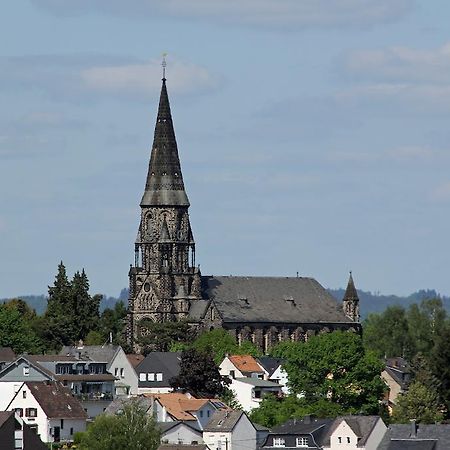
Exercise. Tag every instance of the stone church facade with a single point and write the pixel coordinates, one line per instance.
(166, 285)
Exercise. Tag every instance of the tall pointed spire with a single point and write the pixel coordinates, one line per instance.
(350, 302)
(164, 186)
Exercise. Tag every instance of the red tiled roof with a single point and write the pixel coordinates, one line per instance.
(245, 363)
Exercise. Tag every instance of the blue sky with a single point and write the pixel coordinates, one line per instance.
(313, 136)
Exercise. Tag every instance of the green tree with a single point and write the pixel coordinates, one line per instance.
(440, 364)
(199, 375)
(387, 334)
(220, 342)
(94, 338)
(334, 367)
(133, 429)
(16, 332)
(420, 403)
(113, 321)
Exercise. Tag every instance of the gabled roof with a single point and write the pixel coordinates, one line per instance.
(223, 421)
(257, 382)
(118, 403)
(350, 293)
(4, 416)
(302, 426)
(180, 406)
(56, 400)
(273, 300)
(403, 437)
(166, 426)
(245, 363)
(362, 426)
(32, 363)
(167, 363)
(269, 363)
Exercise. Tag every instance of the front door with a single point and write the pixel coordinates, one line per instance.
(56, 434)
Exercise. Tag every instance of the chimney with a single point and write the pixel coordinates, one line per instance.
(414, 428)
(307, 418)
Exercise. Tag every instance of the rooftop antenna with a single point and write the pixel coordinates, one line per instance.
(164, 65)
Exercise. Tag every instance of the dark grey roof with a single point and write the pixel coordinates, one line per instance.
(198, 308)
(350, 292)
(269, 363)
(98, 353)
(223, 421)
(166, 426)
(164, 186)
(402, 434)
(257, 382)
(167, 363)
(362, 426)
(403, 444)
(302, 426)
(272, 300)
(117, 404)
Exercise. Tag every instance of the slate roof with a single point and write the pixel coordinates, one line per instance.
(166, 426)
(167, 363)
(272, 300)
(118, 403)
(401, 437)
(223, 421)
(56, 400)
(350, 293)
(245, 363)
(94, 353)
(301, 426)
(4, 416)
(258, 383)
(269, 363)
(164, 185)
(362, 426)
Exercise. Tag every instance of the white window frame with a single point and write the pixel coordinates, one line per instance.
(279, 442)
(159, 376)
(122, 372)
(151, 376)
(142, 376)
(26, 371)
(301, 442)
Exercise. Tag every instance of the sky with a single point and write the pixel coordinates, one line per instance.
(313, 134)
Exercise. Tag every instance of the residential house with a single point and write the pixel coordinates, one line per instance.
(415, 436)
(355, 433)
(239, 366)
(15, 434)
(306, 433)
(230, 430)
(117, 364)
(176, 406)
(397, 376)
(183, 447)
(156, 370)
(179, 432)
(250, 391)
(50, 410)
(274, 371)
(88, 380)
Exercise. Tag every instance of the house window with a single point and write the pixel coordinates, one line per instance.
(159, 377)
(348, 440)
(31, 412)
(122, 373)
(201, 413)
(340, 440)
(142, 377)
(24, 394)
(257, 394)
(151, 376)
(279, 442)
(71, 431)
(116, 371)
(19, 411)
(232, 374)
(302, 442)
(26, 371)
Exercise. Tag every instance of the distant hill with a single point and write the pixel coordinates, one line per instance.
(369, 302)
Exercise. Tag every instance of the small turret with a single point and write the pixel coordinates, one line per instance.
(350, 302)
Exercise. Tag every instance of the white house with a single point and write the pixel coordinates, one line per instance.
(49, 409)
(181, 433)
(239, 366)
(230, 430)
(274, 371)
(355, 433)
(249, 392)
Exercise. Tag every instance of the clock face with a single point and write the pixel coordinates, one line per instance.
(147, 287)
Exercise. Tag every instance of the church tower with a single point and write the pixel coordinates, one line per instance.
(350, 302)
(164, 280)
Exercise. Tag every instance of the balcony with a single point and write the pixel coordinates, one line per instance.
(89, 396)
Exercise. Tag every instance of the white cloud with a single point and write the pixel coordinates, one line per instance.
(65, 77)
(291, 13)
(402, 64)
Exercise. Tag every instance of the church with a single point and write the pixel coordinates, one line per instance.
(166, 285)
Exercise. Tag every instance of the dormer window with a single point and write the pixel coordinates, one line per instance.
(302, 442)
(279, 442)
